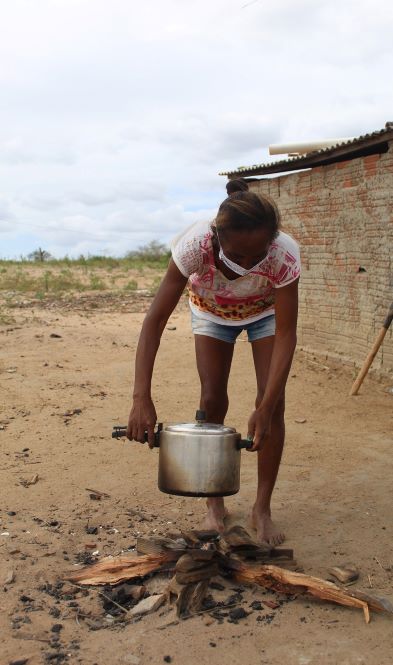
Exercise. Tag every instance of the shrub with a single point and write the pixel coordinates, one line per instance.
(132, 285)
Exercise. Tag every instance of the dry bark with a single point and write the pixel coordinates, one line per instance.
(190, 598)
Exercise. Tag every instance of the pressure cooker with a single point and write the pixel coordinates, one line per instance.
(197, 459)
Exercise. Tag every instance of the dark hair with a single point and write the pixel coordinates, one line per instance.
(246, 211)
(237, 185)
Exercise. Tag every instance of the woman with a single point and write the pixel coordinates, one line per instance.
(243, 275)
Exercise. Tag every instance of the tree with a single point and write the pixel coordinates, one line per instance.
(40, 255)
(153, 251)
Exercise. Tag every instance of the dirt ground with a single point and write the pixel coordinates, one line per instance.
(333, 497)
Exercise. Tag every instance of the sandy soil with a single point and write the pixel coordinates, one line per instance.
(333, 497)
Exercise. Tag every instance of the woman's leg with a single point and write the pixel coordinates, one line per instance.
(269, 456)
(214, 358)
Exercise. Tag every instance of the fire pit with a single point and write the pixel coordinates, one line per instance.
(196, 558)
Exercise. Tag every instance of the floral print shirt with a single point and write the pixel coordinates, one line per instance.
(233, 301)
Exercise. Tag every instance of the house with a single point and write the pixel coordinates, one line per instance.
(339, 208)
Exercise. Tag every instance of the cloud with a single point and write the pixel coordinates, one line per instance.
(209, 138)
(113, 137)
(6, 216)
(132, 191)
(17, 150)
(120, 231)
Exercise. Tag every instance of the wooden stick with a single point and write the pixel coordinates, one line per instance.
(123, 609)
(367, 363)
(289, 582)
(98, 492)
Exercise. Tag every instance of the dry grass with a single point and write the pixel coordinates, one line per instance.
(5, 318)
(54, 278)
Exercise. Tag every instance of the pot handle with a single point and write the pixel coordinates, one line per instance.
(121, 430)
(244, 443)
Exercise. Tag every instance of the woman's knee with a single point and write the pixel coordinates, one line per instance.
(215, 403)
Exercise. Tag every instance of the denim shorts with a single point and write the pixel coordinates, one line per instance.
(265, 327)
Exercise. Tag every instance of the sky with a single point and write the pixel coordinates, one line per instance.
(117, 117)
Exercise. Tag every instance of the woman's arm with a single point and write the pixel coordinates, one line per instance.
(143, 415)
(286, 308)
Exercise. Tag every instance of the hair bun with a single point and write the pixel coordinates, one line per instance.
(237, 185)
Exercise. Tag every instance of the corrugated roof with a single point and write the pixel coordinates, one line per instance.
(357, 147)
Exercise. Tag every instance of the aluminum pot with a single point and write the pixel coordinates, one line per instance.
(197, 459)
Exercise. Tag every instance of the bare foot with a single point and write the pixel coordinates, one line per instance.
(216, 514)
(267, 531)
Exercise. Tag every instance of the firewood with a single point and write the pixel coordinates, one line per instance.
(286, 581)
(287, 564)
(191, 538)
(376, 603)
(200, 591)
(187, 563)
(159, 545)
(281, 553)
(173, 588)
(223, 548)
(184, 599)
(112, 570)
(200, 556)
(197, 575)
(240, 542)
(198, 537)
(136, 592)
(191, 597)
(238, 538)
(344, 574)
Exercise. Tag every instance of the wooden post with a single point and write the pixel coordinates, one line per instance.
(367, 363)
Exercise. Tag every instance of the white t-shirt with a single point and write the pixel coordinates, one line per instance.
(233, 301)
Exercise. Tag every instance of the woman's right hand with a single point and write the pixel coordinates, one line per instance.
(142, 419)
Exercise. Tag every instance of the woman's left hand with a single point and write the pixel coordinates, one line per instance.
(258, 428)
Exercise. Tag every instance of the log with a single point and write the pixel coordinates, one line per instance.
(112, 570)
(286, 581)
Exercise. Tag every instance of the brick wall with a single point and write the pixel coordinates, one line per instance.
(342, 216)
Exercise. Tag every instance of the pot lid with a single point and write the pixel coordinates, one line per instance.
(200, 428)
